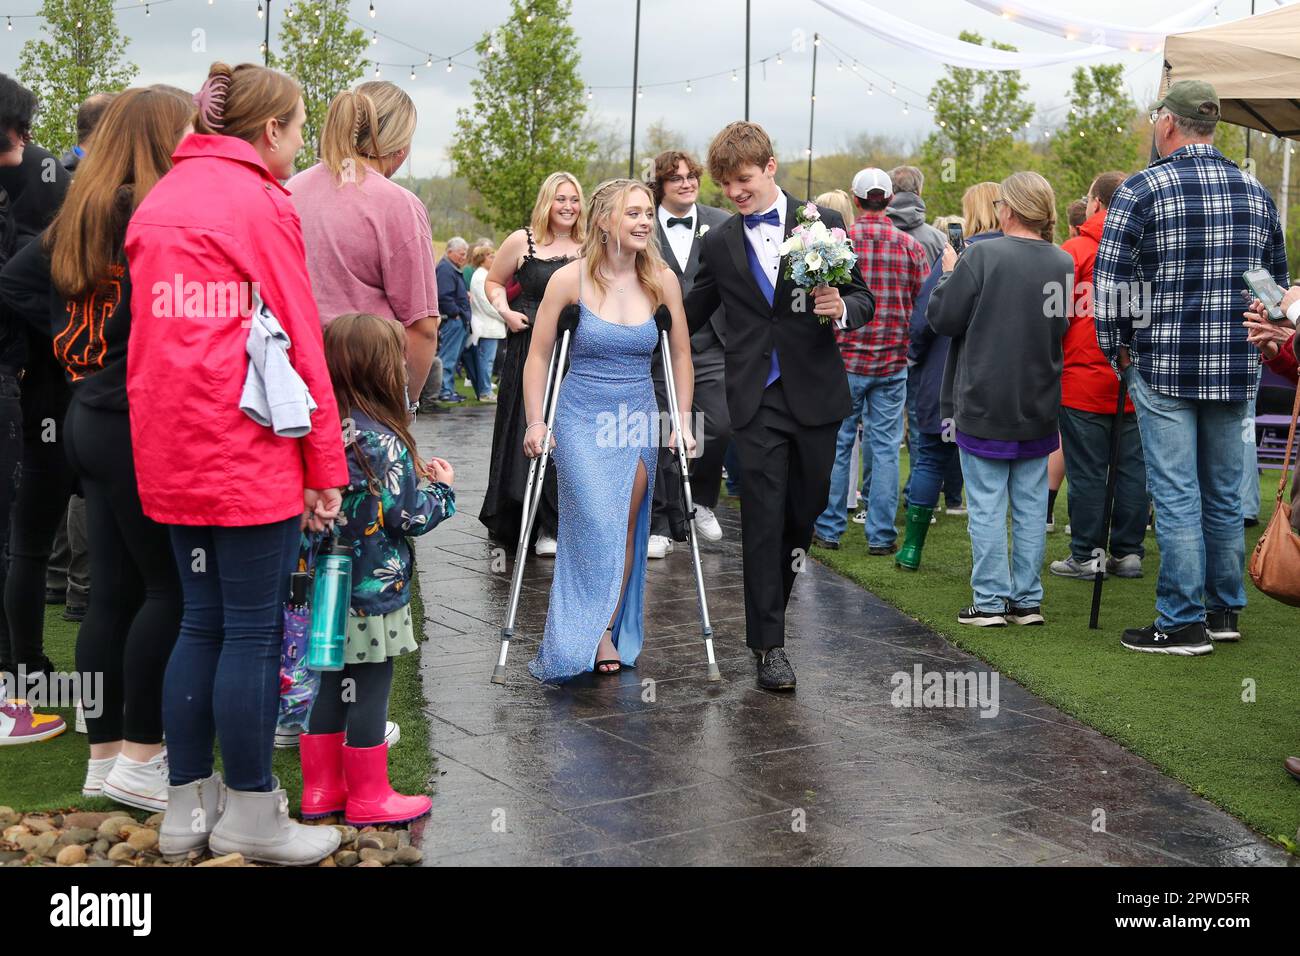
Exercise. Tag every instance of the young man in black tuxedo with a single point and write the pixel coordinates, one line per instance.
(787, 391)
(683, 222)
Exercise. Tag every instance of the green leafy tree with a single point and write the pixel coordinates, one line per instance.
(323, 52)
(979, 114)
(528, 115)
(1102, 131)
(81, 52)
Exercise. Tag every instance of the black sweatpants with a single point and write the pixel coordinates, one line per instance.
(134, 614)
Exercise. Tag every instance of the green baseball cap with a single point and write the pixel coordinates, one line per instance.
(1191, 99)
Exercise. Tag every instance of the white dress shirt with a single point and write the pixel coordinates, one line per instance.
(679, 237)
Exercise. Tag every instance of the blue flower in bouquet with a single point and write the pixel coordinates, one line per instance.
(816, 255)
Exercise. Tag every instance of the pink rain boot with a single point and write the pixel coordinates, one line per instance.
(371, 799)
(324, 790)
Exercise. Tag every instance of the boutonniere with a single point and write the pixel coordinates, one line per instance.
(815, 255)
(699, 234)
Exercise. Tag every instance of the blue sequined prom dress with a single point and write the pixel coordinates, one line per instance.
(606, 422)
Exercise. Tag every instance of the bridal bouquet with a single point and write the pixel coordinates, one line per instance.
(816, 255)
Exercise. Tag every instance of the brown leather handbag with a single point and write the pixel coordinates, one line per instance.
(1275, 564)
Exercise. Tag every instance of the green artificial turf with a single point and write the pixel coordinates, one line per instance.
(1184, 714)
(48, 775)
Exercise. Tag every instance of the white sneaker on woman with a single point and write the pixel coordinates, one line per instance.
(658, 546)
(139, 784)
(96, 772)
(706, 523)
(546, 546)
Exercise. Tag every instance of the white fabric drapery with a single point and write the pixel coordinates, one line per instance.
(1085, 29)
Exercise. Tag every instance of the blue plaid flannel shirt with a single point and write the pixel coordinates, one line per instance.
(1167, 281)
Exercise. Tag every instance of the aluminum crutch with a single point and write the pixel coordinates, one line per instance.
(536, 479)
(664, 320)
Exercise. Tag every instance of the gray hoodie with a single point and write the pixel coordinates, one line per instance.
(907, 210)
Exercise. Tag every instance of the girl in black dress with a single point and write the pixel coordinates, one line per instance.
(531, 255)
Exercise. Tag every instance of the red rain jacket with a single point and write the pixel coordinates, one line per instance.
(214, 225)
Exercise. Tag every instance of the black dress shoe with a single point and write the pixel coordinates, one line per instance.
(774, 670)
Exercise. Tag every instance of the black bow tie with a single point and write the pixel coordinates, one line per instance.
(686, 221)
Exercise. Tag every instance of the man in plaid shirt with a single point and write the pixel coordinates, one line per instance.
(894, 265)
(1167, 301)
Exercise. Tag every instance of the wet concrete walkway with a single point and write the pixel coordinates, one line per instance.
(658, 766)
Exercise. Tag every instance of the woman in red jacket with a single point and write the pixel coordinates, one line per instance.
(215, 234)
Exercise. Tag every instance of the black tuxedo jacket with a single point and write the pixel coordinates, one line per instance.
(812, 371)
(714, 332)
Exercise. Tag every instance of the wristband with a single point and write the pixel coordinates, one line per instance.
(532, 426)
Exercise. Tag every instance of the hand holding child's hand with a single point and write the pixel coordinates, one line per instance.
(440, 470)
(320, 507)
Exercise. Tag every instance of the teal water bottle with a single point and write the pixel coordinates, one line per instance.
(331, 598)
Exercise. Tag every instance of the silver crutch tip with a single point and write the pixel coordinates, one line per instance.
(714, 673)
(499, 674)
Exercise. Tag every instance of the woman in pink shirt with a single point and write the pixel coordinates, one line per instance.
(217, 230)
(369, 244)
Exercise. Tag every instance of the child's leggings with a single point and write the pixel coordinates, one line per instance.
(354, 699)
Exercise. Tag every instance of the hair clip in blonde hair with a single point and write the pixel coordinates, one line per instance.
(210, 100)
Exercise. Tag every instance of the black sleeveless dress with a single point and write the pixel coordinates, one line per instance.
(508, 475)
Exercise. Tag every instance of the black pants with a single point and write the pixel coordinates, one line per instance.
(44, 486)
(364, 714)
(787, 469)
(709, 406)
(11, 451)
(134, 613)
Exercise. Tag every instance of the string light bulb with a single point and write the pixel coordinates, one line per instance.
(688, 86)
(374, 37)
(779, 61)
(376, 71)
(429, 61)
(448, 64)
(260, 12)
(372, 10)
(412, 72)
(734, 77)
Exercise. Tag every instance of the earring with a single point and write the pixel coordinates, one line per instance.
(604, 238)
(275, 147)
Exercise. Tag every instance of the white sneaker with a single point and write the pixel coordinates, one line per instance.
(546, 546)
(139, 785)
(1051, 527)
(658, 546)
(96, 771)
(957, 511)
(81, 720)
(286, 738)
(860, 517)
(706, 523)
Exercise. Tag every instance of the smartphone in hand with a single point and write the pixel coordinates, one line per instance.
(955, 238)
(1261, 283)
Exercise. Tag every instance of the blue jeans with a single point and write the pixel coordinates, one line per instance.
(1194, 450)
(451, 342)
(487, 353)
(223, 679)
(932, 465)
(878, 403)
(1250, 470)
(990, 484)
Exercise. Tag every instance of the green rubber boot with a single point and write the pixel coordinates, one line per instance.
(918, 525)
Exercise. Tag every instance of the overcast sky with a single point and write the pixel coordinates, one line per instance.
(680, 40)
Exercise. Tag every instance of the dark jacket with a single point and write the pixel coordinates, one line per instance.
(34, 191)
(812, 371)
(1002, 380)
(927, 351)
(379, 514)
(907, 210)
(715, 332)
(453, 296)
(89, 334)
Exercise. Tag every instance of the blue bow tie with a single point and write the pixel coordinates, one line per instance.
(771, 217)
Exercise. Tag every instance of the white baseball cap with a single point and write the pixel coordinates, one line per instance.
(871, 180)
